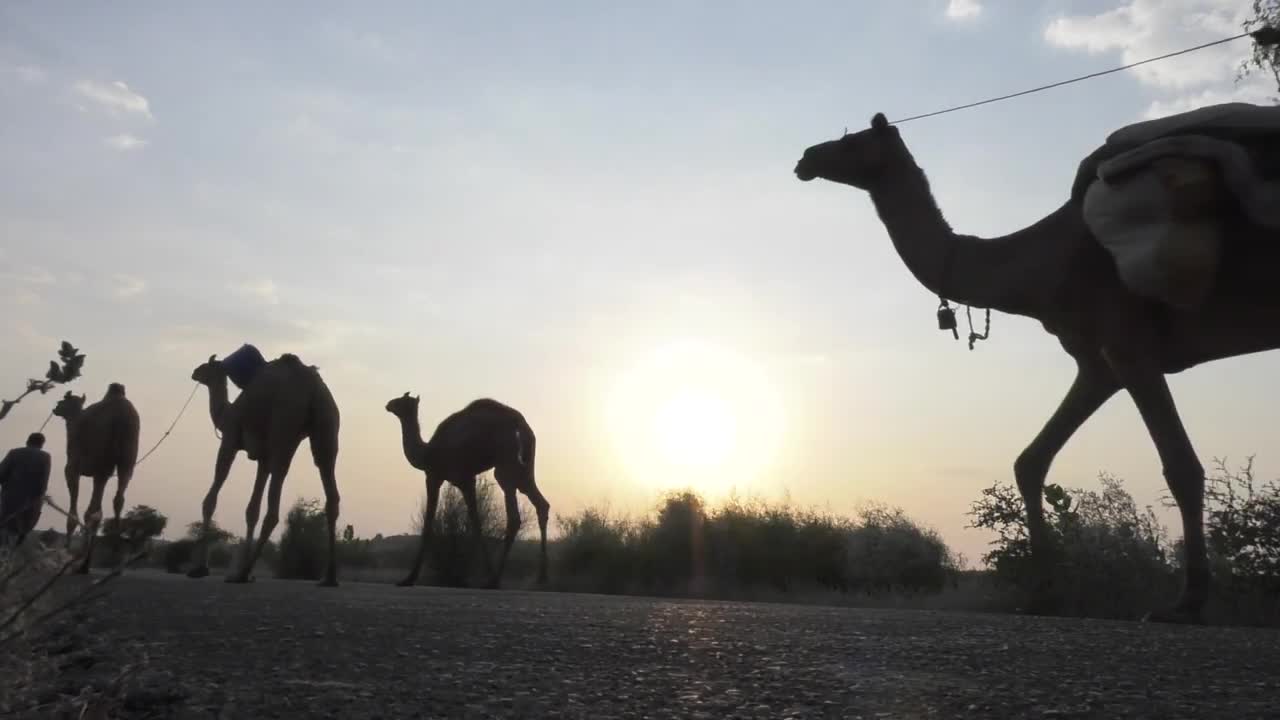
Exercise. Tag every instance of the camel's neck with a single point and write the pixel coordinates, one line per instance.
(218, 402)
(962, 268)
(70, 421)
(415, 450)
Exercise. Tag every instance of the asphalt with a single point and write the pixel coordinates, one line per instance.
(291, 649)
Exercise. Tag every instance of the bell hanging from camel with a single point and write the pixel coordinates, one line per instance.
(947, 319)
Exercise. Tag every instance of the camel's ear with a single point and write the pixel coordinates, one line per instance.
(406, 394)
(416, 398)
(213, 357)
(879, 121)
(83, 397)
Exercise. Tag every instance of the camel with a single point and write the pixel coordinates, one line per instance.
(284, 402)
(102, 439)
(483, 435)
(1057, 272)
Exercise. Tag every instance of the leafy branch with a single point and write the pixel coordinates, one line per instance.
(66, 369)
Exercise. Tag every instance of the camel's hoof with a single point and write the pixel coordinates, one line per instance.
(1175, 616)
(237, 579)
(407, 582)
(541, 581)
(327, 582)
(198, 572)
(493, 584)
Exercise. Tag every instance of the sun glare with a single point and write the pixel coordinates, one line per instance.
(697, 415)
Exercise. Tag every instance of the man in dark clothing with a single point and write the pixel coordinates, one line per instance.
(24, 479)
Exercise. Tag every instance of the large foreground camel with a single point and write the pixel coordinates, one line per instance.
(483, 435)
(1056, 272)
(102, 439)
(283, 403)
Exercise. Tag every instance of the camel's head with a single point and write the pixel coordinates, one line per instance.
(859, 159)
(404, 406)
(210, 373)
(69, 406)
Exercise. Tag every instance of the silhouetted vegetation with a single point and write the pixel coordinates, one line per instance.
(748, 549)
(1112, 559)
(304, 543)
(132, 533)
(176, 556)
(1243, 533)
(66, 369)
(1265, 52)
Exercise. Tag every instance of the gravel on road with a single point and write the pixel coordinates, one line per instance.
(290, 649)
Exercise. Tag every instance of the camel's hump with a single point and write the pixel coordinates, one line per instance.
(1233, 119)
(1240, 122)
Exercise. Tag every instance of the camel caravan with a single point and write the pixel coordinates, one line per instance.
(1159, 260)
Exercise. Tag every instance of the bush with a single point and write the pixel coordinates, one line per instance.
(1110, 559)
(451, 552)
(178, 554)
(129, 535)
(889, 552)
(1243, 532)
(743, 548)
(595, 553)
(304, 543)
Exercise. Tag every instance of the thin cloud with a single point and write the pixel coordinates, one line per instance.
(264, 290)
(1141, 29)
(125, 142)
(963, 9)
(128, 286)
(26, 73)
(116, 98)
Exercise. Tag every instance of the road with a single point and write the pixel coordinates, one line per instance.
(290, 649)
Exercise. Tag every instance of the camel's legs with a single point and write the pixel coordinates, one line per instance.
(1094, 384)
(1183, 472)
(92, 519)
(123, 476)
(428, 519)
(251, 513)
(513, 518)
(73, 512)
(279, 471)
(543, 509)
(331, 502)
(221, 468)
(477, 533)
(324, 452)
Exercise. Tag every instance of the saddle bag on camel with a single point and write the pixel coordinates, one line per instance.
(1161, 195)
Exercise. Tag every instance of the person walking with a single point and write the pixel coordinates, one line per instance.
(24, 479)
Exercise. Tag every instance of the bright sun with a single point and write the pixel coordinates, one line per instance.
(694, 414)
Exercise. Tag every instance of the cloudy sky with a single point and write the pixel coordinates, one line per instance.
(588, 214)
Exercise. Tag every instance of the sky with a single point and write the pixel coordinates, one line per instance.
(587, 213)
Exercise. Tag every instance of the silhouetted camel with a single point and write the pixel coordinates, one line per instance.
(483, 435)
(283, 403)
(1056, 272)
(101, 439)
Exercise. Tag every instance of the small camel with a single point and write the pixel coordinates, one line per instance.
(284, 402)
(483, 435)
(1055, 271)
(102, 439)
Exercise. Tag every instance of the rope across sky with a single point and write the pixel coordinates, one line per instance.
(1264, 36)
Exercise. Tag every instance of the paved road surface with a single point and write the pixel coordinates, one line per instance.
(289, 649)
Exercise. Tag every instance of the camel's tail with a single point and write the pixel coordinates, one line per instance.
(526, 445)
(125, 437)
